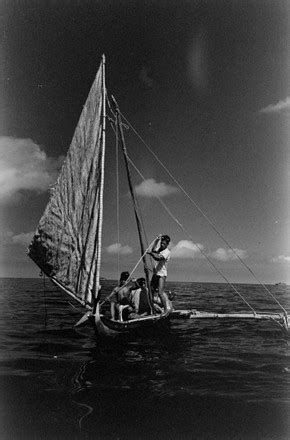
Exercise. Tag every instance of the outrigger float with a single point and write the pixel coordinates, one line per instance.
(279, 318)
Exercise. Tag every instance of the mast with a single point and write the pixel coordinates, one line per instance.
(137, 217)
(103, 146)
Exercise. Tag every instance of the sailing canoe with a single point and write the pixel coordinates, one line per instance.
(68, 241)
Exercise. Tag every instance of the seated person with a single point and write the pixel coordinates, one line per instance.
(139, 300)
(120, 295)
(157, 302)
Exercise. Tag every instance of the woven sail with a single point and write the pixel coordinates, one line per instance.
(65, 243)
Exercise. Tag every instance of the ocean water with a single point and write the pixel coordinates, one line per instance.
(209, 379)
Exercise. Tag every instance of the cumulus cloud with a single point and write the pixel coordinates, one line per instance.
(8, 237)
(228, 255)
(117, 248)
(150, 188)
(23, 239)
(283, 105)
(24, 166)
(186, 249)
(281, 259)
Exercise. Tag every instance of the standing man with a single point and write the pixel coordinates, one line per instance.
(162, 256)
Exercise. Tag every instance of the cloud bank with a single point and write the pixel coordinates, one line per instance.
(283, 105)
(7, 237)
(117, 248)
(24, 166)
(150, 188)
(23, 239)
(281, 259)
(228, 255)
(186, 249)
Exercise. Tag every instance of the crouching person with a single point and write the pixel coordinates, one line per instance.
(120, 296)
(139, 300)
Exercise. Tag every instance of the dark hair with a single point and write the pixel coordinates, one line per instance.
(166, 238)
(141, 281)
(124, 276)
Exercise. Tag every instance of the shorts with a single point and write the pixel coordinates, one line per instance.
(155, 281)
(124, 302)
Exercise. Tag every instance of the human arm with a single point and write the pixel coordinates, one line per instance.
(157, 307)
(113, 295)
(156, 255)
(155, 243)
(133, 300)
(160, 256)
(113, 309)
(153, 251)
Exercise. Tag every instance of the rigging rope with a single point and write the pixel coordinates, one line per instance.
(196, 244)
(42, 274)
(140, 217)
(117, 196)
(203, 214)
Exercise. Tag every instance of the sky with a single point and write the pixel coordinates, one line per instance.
(206, 86)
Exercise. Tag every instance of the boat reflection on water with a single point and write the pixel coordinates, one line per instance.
(182, 376)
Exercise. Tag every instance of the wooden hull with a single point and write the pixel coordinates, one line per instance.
(140, 326)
